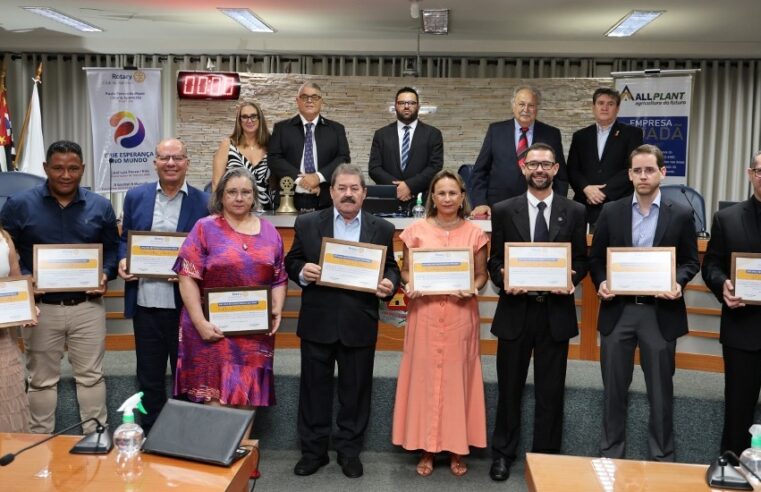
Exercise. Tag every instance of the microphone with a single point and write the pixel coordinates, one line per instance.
(702, 234)
(98, 442)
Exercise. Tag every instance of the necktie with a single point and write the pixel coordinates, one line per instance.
(522, 146)
(405, 147)
(541, 234)
(308, 153)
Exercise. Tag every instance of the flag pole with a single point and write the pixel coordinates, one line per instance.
(20, 150)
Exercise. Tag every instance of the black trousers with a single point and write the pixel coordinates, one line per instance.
(550, 362)
(355, 378)
(742, 382)
(156, 340)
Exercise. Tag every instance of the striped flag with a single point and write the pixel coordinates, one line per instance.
(7, 152)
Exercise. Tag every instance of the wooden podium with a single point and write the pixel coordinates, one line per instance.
(50, 467)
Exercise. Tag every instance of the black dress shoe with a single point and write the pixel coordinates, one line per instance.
(500, 470)
(351, 467)
(307, 466)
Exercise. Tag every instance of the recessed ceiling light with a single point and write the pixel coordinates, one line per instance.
(63, 19)
(247, 19)
(435, 21)
(633, 22)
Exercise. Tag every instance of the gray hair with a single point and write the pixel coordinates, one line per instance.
(310, 85)
(215, 204)
(533, 90)
(753, 159)
(349, 169)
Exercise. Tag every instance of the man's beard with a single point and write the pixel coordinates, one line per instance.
(404, 120)
(543, 186)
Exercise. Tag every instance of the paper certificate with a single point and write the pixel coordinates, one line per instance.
(538, 266)
(239, 310)
(641, 271)
(350, 265)
(153, 254)
(68, 267)
(746, 276)
(441, 271)
(16, 301)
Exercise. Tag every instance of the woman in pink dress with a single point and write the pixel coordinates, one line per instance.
(440, 394)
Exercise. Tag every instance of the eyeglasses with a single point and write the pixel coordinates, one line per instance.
(406, 103)
(233, 193)
(167, 158)
(649, 171)
(756, 172)
(310, 97)
(534, 165)
(249, 117)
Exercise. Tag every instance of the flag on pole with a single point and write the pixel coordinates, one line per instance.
(32, 148)
(7, 151)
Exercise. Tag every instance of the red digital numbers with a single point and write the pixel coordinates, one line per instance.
(208, 85)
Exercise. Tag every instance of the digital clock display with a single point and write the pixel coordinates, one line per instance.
(208, 85)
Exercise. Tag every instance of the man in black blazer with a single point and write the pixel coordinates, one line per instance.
(310, 166)
(497, 173)
(337, 326)
(598, 161)
(646, 219)
(737, 229)
(412, 166)
(538, 322)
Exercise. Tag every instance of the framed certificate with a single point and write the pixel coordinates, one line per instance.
(350, 265)
(641, 271)
(538, 266)
(746, 277)
(16, 301)
(441, 271)
(152, 254)
(239, 310)
(68, 267)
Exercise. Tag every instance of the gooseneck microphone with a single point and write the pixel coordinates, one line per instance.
(702, 233)
(98, 442)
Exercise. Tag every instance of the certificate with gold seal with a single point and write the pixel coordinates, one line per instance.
(68, 267)
(538, 267)
(746, 277)
(153, 254)
(351, 265)
(239, 310)
(641, 271)
(441, 271)
(16, 301)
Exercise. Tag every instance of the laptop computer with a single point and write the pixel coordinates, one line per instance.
(199, 432)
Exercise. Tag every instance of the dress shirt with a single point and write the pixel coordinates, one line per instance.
(643, 226)
(602, 137)
(533, 210)
(304, 122)
(400, 131)
(529, 134)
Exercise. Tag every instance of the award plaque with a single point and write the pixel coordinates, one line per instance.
(351, 265)
(538, 267)
(441, 271)
(68, 267)
(746, 277)
(641, 271)
(16, 301)
(153, 254)
(239, 310)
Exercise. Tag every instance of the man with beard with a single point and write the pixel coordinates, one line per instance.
(538, 322)
(406, 153)
(643, 220)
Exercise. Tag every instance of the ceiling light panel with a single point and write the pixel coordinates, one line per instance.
(63, 19)
(633, 22)
(247, 19)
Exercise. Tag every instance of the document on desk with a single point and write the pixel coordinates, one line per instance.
(68, 267)
(351, 265)
(538, 266)
(441, 271)
(746, 277)
(641, 271)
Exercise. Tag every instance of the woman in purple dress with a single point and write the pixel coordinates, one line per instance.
(230, 248)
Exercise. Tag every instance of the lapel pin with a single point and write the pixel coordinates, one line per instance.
(617, 132)
(560, 219)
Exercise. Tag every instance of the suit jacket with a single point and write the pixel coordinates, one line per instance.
(510, 223)
(286, 148)
(426, 157)
(138, 216)
(585, 167)
(330, 314)
(496, 175)
(676, 227)
(733, 229)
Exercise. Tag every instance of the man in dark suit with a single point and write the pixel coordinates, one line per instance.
(497, 174)
(737, 229)
(406, 153)
(538, 322)
(598, 161)
(643, 220)
(169, 205)
(337, 326)
(308, 148)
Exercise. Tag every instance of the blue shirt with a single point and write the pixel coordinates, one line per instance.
(344, 231)
(643, 226)
(34, 217)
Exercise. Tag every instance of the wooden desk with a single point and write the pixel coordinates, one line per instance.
(77, 472)
(546, 472)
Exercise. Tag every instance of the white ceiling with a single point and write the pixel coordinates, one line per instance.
(689, 28)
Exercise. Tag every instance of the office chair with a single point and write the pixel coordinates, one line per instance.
(690, 198)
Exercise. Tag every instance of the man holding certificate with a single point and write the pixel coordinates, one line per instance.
(653, 321)
(338, 325)
(737, 230)
(60, 212)
(529, 320)
(167, 206)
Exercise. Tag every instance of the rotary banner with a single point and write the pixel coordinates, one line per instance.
(125, 109)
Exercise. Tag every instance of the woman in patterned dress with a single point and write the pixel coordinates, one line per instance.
(246, 147)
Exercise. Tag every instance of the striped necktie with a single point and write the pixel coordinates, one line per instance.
(308, 153)
(405, 147)
(522, 146)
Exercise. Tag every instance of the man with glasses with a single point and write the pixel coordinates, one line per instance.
(533, 322)
(167, 205)
(406, 153)
(308, 148)
(498, 171)
(643, 220)
(737, 229)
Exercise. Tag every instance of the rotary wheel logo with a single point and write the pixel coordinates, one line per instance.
(130, 131)
(138, 76)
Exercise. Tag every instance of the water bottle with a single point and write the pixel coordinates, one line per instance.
(751, 457)
(418, 211)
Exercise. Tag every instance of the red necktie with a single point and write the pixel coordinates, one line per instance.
(522, 146)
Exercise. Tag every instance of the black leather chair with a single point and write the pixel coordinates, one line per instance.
(14, 182)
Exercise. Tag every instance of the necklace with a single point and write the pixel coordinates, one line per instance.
(445, 225)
